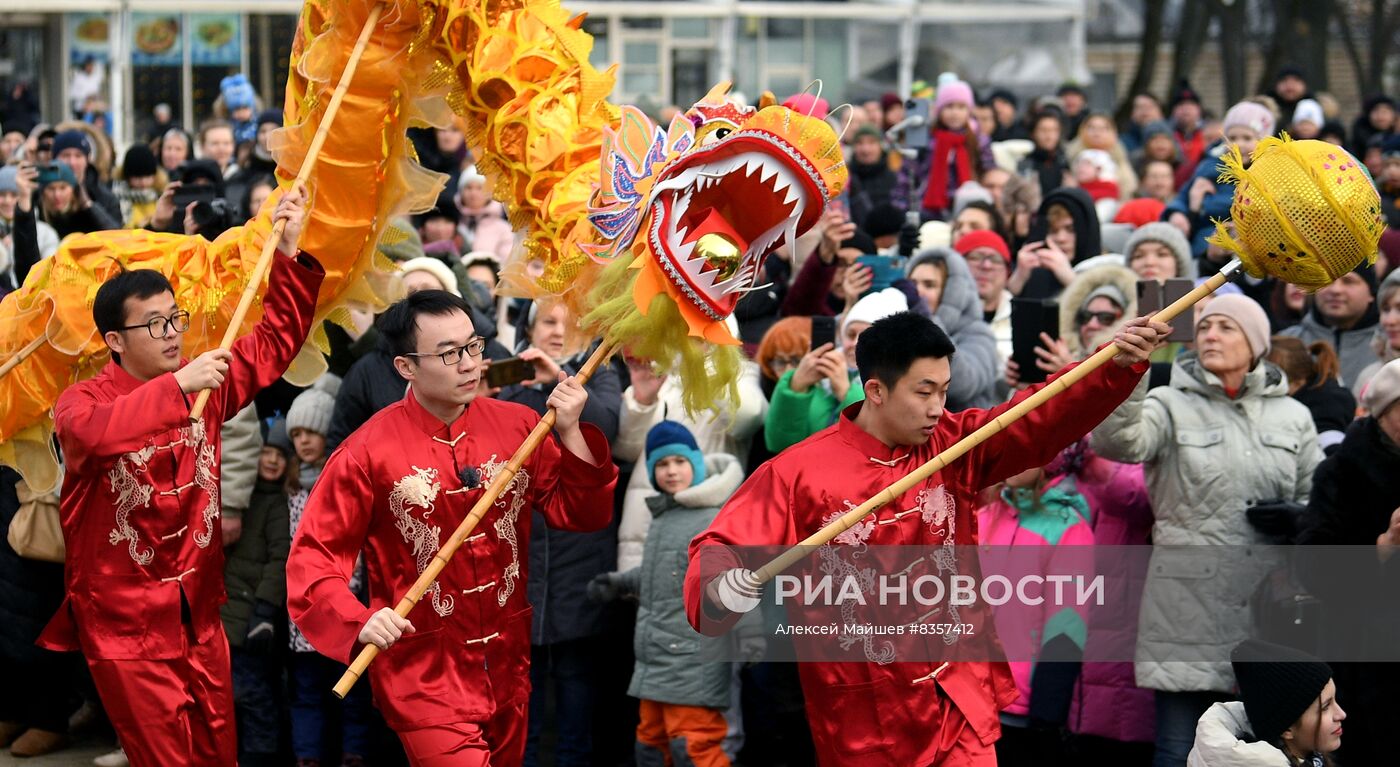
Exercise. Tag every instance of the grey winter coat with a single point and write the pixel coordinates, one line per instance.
(976, 367)
(1206, 458)
(671, 655)
(1353, 346)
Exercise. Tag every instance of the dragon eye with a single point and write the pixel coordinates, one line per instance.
(721, 133)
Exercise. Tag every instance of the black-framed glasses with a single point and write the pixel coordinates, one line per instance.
(159, 327)
(475, 347)
(1104, 318)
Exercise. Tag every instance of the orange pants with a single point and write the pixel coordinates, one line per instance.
(680, 736)
(172, 712)
(498, 742)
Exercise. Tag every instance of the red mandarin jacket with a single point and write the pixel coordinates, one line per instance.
(871, 713)
(395, 490)
(140, 501)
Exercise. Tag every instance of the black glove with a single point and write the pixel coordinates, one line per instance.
(1278, 519)
(605, 587)
(262, 628)
(908, 239)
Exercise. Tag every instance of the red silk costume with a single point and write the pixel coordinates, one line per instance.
(394, 490)
(140, 514)
(908, 714)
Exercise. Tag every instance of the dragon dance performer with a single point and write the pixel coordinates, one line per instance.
(900, 714)
(140, 505)
(454, 682)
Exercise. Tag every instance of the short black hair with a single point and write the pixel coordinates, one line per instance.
(891, 345)
(998, 223)
(399, 324)
(109, 306)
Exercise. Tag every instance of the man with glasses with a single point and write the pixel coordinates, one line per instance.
(454, 680)
(140, 505)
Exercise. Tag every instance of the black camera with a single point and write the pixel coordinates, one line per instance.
(202, 184)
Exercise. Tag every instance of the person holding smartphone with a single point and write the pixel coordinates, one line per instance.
(25, 238)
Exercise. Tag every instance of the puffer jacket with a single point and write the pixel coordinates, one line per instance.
(716, 431)
(255, 566)
(976, 368)
(1206, 458)
(1222, 741)
(675, 663)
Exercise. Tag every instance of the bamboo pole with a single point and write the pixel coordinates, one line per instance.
(250, 291)
(483, 504)
(1059, 385)
(22, 354)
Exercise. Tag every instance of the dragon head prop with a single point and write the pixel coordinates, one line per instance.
(699, 206)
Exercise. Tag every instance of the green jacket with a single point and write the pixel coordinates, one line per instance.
(255, 566)
(793, 417)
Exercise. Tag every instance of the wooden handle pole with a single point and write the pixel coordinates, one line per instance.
(483, 504)
(22, 354)
(250, 291)
(961, 447)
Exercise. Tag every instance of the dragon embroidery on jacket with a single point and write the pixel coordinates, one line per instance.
(505, 527)
(836, 562)
(420, 489)
(131, 493)
(939, 512)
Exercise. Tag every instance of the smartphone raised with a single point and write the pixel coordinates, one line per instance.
(1029, 318)
(823, 331)
(884, 271)
(1153, 296)
(511, 370)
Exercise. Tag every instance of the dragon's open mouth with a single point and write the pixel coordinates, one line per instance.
(718, 213)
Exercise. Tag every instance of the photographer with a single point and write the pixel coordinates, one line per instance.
(194, 203)
(25, 239)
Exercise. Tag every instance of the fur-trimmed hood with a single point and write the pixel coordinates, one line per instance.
(1085, 284)
(959, 305)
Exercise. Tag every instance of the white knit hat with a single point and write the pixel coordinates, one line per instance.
(312, 409)
(435, 267)
(1308, 110)
(877, 306)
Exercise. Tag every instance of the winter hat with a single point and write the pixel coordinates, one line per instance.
(1278, 684)
(955, 91)
(56, 173)
(435, 267)
(237, 92)
(867, 130)
(139, 161)
(670, 438)
(877, 306)
(312, 409)
(1143, 210)
(1308, 110)
(1246, 313)
(1157, 128)
(806, 103)
(883, 220)
(1391, 147)
(1252, 115)
(270, 116)
(9, 179)
(277, 437)
(1367, 272)
(1168, 235)
(1107, 290)
(935, 234)
(72, 139)
(861, 241)
(969, 192)
(470, 174)
(1184, 92)
(1383, 389)
(1102, 162)
(983, 238)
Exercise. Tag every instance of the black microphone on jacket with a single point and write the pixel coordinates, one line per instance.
(471, 478)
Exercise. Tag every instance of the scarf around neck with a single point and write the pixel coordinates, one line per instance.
(949, 147)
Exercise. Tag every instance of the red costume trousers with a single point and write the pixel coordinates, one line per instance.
(499, 742)
(172, 712)
(958, 744)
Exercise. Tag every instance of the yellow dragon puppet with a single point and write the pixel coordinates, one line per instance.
(651, 235)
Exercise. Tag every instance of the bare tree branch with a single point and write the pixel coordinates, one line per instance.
(1152, 23)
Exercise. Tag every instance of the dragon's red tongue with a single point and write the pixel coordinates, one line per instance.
(714, 223)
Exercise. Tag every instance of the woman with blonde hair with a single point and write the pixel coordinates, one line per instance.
(1099, 132)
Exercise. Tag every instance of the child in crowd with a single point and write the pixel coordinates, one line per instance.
(255, 577)
(683, 697)
(312, 674)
